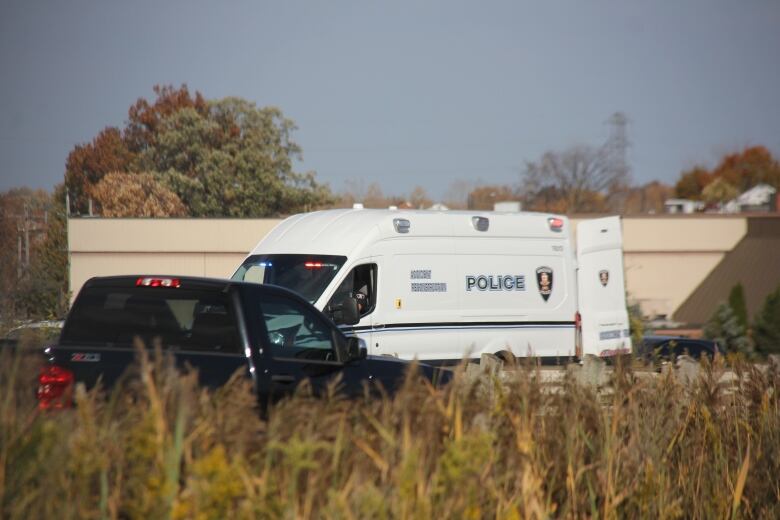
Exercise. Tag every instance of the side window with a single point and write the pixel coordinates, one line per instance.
(690, 348)
(295, 331)
(360, 284)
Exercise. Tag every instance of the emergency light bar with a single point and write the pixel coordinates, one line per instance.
(158, 282)
(313, 265)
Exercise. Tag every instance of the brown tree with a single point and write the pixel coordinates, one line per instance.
(485, 197)
(691, 183)
(751, 166)
(580, 179)
(741, 170)
(136, 195)
(145, 118)
(418, 198)
(457, 194)
(88, 163)
(648, 198)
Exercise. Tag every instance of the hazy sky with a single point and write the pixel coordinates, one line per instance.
(403, 92)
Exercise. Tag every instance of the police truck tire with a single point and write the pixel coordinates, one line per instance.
(507, 358)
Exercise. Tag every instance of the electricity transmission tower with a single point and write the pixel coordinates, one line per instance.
(617, 159)
(617, 144)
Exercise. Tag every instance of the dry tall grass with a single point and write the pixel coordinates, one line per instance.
(159, 447)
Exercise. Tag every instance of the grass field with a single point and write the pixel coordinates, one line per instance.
(484, 447)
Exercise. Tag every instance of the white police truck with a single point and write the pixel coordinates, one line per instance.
(441, 286)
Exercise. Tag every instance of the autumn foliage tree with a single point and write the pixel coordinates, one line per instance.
(88, 163)
(735, 173)
(136, 195)
(222, 157)
(145, 118)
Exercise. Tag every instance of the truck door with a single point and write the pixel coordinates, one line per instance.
(601, 287)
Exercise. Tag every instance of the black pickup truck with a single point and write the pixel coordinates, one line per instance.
(216, 326)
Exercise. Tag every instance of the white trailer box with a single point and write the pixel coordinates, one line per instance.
(441, 286)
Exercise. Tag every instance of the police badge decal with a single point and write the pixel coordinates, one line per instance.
(604, 277)
(544, 279)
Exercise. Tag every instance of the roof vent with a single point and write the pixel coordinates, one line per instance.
(480, 223)
(401, 225)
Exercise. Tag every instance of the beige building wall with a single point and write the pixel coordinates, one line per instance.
(666, 257)
(196, 247)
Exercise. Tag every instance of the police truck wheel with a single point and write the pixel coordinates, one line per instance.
(507, 358)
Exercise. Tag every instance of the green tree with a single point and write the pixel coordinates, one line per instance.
(636, 324)
(145, 118)
(766, 327)
(43, 291)
(724, 327)
(738, 305)
(220, 158)
(719, 191)
(234, 160)
(23, 217)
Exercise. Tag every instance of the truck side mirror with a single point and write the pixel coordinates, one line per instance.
(345, 313)
(354, 350)
(350, 313)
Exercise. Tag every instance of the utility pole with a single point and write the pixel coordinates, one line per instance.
(26, 236)
(27, 224)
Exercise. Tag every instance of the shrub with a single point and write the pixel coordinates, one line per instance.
(495, 446)
(724, 327)
(766, 328)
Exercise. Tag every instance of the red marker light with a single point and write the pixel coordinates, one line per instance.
(158, 282)
(313, 265)
(55, 385)
(556, 224)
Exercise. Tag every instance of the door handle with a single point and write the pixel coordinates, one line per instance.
(283, 379)
(378, 326)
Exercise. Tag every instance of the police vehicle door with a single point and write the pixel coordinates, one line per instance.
(360, 284)
(601, 287)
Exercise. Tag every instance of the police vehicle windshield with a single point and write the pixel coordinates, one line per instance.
(308, 275)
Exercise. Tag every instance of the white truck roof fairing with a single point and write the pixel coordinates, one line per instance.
(343, 231)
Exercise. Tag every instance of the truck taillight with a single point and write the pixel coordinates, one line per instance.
(578, 335)
(55, 387)
(157, 282)
(556, 224)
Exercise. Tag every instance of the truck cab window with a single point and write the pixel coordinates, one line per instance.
(295, 331)
(359, 284)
